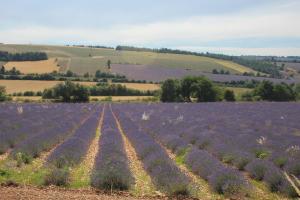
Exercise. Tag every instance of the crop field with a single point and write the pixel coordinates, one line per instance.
(15, 86)
(84, 60)
(203, 151)
(158, 74)
(34, 67)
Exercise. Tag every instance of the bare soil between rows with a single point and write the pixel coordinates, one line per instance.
(55, 193)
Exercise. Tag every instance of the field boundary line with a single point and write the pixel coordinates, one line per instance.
(143, 183)
(86, 166)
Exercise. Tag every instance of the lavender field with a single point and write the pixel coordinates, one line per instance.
(203, 151)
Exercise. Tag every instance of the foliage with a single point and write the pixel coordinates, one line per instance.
(58, 177)
(3, 95)
(111, 170)
(103, 89)
(170, 91)
(199, 87)
(229, 182)
(68, 92)
(11, 72)
(268, 91)
(28, 56)
(229, 95)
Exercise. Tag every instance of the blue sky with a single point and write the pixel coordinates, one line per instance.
(262, 27)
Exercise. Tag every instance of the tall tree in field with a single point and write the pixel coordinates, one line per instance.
(109, 64)
(2, 93)
(229, 95)
(186, 87)
(283, 92)
(2, 70)
(204, 90)
(170, 91)
(265, 90)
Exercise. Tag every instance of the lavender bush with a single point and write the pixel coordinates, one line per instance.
(111, 171)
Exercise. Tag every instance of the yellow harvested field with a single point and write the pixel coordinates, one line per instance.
(13, 86)
(234, 66)
(34, 67)
(142, 86)
(122, 98)
(98, 98)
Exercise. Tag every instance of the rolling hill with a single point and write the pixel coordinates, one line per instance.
(83, 59)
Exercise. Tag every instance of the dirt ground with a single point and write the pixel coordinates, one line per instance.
(53, 193)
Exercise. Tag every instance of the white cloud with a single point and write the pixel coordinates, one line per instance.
(280, 21)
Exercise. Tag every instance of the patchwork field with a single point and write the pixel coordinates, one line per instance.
(13, 86)
(92, 98)
(84, 60)
(34, 67)
(203, 151)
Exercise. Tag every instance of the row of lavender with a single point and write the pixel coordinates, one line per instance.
(20, 122)
(162, 170)
(32, 128)
(72, 151)
(111, 170)
(262, 139)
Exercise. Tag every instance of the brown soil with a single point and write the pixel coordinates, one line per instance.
(54, 193)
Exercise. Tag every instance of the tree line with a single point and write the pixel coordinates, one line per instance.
(268, 91)
(74, 92)
(26, 56)
(202, 89)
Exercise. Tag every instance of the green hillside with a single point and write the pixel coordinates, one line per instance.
(82, 59)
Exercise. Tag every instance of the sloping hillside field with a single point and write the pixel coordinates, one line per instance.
(82, 59)
(203, 151)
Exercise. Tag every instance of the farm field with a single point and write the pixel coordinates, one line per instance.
(92, 98)
(13, 86)
(34, 67)
(203, 151)
(82, 60)
(158, 74)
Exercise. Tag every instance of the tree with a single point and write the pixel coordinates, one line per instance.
(2, 93)
(264, 90)
(81, 94)
(108, 64)
(170, 91)
(283, 92)
(297, 91)
(65, 90)
(98, 74)
(68, 92)
(86, 75)
(229, 95)
(70, 74)
(215, 71)
(204, 90)
(2, 70)
(186, 87)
